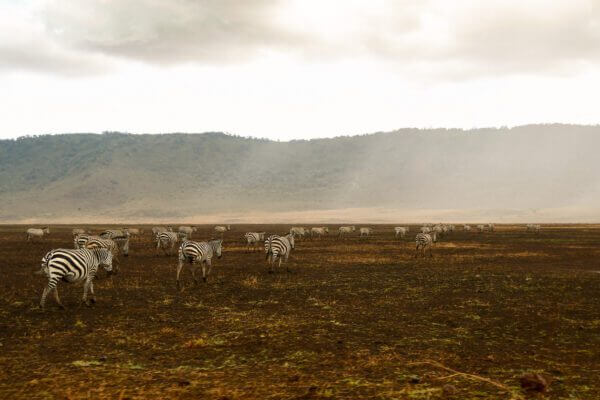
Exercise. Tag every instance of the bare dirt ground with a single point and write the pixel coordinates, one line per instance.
(354, 319)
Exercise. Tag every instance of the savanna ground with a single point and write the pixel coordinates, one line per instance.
(359, 318)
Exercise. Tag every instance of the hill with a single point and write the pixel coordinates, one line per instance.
(506, 172)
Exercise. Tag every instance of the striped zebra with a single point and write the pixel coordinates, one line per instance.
(35, 232)
(222, 229)
(365, 232)
(480, 228)
(345, 230)
(425, 229)
(278, 247)
(298, 231)
(80, 240)
(533, 228)
(114, 245)
(466, 228)
(73, 266)
(166, 241)
(319, 231)
(252, 239)
(201, 252)
(187, 230)
(113, 233)
(424, 241)
(401, 231)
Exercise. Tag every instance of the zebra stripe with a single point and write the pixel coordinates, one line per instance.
(114, 245)
(278, 247)
(73, 266)
(166, 241)
(424, 241)
(252, 239)
(201, 252)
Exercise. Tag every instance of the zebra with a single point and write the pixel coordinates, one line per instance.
(400, 231)
(80, 240)
(451, 228)
(466, 228)
(425, 229)
(166, 240)
(343, 230)
(114, 245)
(113, 233)
(438, 230)
(365, 232)
(188, 230)
(533, 228)
(319, 231)
(201, 252)
(222, 229)
(252, 239)
(424, 241)
(480, 228)
(35, 232)
(490, 227)
(298, 231)
(279, 247)
(73, 266)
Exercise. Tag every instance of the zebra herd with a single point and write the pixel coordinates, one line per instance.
(92, 251)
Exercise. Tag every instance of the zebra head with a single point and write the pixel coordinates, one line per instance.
(105, 258)
(290, 237)
(217, 246)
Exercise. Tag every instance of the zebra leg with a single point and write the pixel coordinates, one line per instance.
(86, 287)
(287, 267)
(430, 254)
(416, 251)
(93, 295)
(179, 266)
(209, 263)
(58, 298)
(193, 269)
(43, 299)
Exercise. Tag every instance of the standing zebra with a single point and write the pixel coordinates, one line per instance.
(166, 241)
(533, 228)
(319, 231)
(490, 227)
(113, 233)
(480, 228)
(114, 245)
(81, 240)
(365, 232)
(345, 230)
(298, 231)
(424, 241)
(278, 247)
(466, 228)
(188, 230)
(252, 239)
(400, 231)
(34, 232)
(73, 266)
(201, 252)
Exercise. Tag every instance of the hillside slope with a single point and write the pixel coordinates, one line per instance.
(179, 175)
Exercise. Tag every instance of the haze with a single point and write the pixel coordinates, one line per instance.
(295, 69)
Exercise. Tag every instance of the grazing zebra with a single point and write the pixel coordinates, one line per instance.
(73, 266)
(114, 245)
(365, 232)
(424, 241)
(480, 228)
(222, 229)
(319, 231)
(425, 229)
(345, 230)
(252, 239)
(401, 231)
(135, 232)
(279, 247)
(466, 228)
(188, 230)
(438, 230)
(166, 241)
(35, 232)
(201, 252)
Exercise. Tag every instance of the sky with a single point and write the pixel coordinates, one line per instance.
(295, 69)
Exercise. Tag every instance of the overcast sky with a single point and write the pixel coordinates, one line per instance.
(295, 69)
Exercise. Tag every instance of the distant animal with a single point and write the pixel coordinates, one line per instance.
(401, 231)
(198, 252)
(222, 229)
(490, 227)
(188, 230)
(114, 233)
(480, 228)
(115, 245)
(279, 247)
(319, 231)
(365, 232)
(425, 229)
(451, 228)
(166, 241)
(37, 233)
(345, 230)
(252, 239)
(73, 266)
(298, 231)
(159, 229)
(425, 241)
(533, 228)
(466, 228)
(135, 232)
